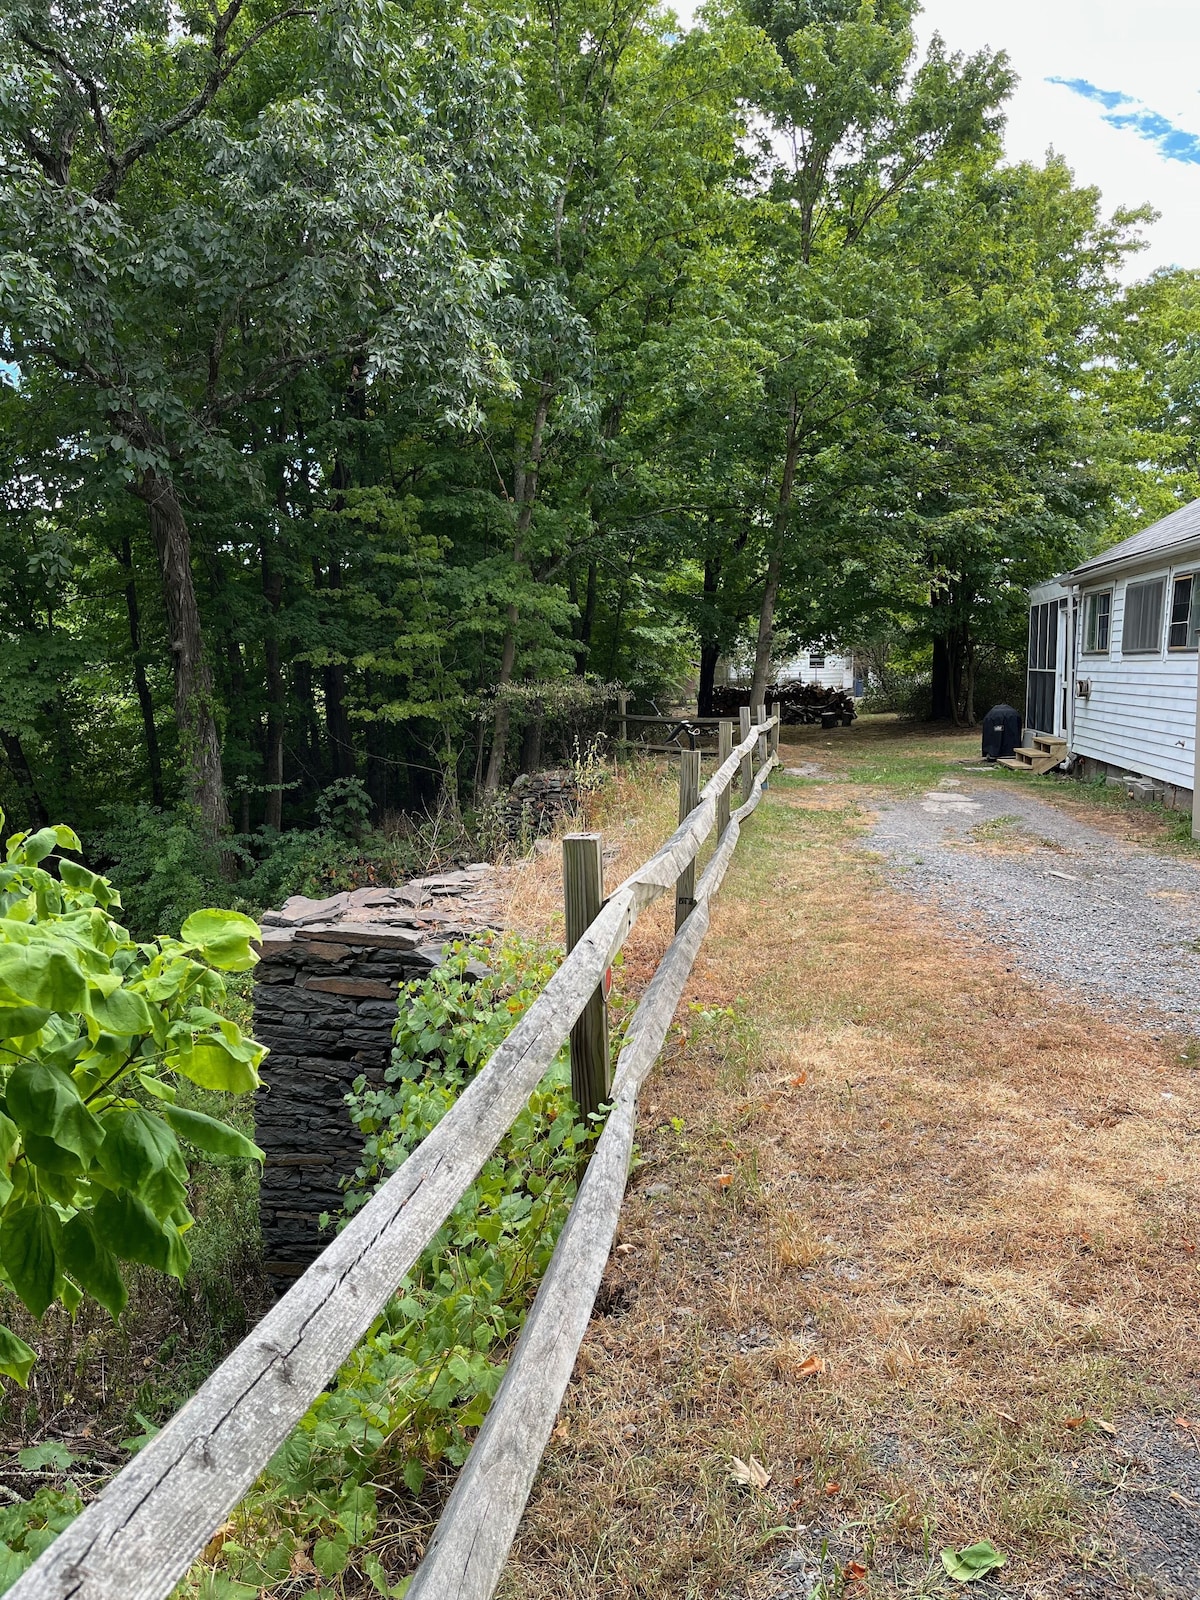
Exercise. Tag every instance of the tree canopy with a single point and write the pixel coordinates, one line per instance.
(371, 366)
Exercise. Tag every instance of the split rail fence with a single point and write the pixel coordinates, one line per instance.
(139, 1537)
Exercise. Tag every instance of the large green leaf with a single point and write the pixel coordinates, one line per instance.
(43, 972)
(37, 846)
(16, 1357)
(132, 1232)
(222, 938)
(214, 1137)
(92, 1264)
(78, 877)
(122, 1012)
(16, 1022)
(30, 1246)
(49, 1156)
(141, 1153)
(43, 1100)
(215, 1062)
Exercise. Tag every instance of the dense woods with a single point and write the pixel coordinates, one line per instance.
(384, 381)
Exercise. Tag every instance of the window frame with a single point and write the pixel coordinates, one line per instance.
(1192, 623)
(1090, 600)
(1155, 649)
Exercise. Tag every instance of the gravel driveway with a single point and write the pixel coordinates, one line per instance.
(1109, 919)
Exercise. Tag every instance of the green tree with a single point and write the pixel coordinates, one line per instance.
(200, 207)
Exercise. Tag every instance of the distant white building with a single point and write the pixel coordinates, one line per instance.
(815, 666)
(808, 666)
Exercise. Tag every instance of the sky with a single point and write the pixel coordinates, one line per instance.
(1114, 87)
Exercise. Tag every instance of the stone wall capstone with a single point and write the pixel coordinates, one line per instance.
(325, 1002)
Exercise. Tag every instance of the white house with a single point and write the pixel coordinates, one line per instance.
(1112, 658)
(813, 665)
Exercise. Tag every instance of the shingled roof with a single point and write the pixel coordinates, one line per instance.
(1169, 533)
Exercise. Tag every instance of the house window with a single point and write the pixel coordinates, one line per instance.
(1097, 619)
(1183, 630)
(816, 659)
(1141, 632)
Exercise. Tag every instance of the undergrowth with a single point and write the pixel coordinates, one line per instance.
(375, 1450)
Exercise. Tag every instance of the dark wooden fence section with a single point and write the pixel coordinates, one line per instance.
(144, 1531)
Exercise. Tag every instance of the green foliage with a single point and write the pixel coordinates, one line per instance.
(410, 1398)
(973, 1562)
(95, 1032)
(27, 1527)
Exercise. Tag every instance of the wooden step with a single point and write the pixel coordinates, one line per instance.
(1025, 759)
(1050, 744)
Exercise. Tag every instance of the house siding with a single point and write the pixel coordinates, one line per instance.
(1141, 715)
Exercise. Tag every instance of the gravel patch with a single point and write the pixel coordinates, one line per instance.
(1108, 919)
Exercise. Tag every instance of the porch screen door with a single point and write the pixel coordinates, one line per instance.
(1043, 663)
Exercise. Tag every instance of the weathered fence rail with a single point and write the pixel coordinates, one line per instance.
(144, 1531)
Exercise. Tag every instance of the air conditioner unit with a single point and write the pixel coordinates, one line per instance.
(1083, 688)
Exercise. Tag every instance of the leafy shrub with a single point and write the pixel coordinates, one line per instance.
(162, 865)
(421, 1382)
(93, 1029)
(27, 1527)
(345, 807)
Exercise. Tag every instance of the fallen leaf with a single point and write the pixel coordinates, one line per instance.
(561, 1434)
(624, 1249)
(1186, 1422)
(798, 1080)
(301, 1563)
(972, 1562)
(752, 1473)
(216, 1544)
(810, 1367)
(833, 1488)
(724, 1179)
(854, 1571)
(1087, 1420)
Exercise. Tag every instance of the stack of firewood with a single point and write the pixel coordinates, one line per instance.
(798, 702)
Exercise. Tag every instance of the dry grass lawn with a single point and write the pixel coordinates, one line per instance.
(904, 1224)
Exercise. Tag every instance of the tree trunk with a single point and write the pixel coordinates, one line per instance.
(710, 654)
(531, 745)
(779, 524)
(302, 690)
(508, 657)
(525, 487)
(587, 621)
(22, 772)
(941, 698)
(272, 588)
(199, 744)
(140, 682)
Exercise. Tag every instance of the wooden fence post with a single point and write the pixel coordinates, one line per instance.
(622, 709)
(775, 729)
(724, 751)
(760, 749)
(747, 760)
(689, 799)
(583, 898)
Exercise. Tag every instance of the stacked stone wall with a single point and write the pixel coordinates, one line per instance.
(325, 1004)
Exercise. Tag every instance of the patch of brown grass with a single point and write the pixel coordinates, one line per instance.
(912, 1214)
